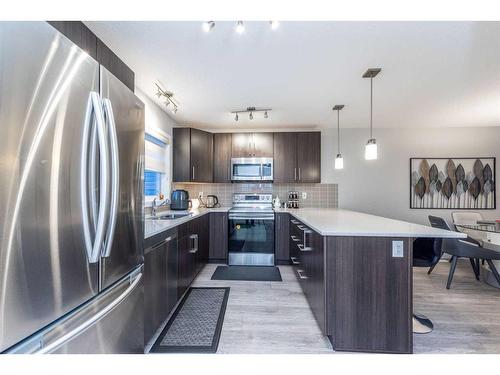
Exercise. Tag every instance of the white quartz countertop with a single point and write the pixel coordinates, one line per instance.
(155, 226)
(340, 222)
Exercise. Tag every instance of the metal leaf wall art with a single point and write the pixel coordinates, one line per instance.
(452, 183)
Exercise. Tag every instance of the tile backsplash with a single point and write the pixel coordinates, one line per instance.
(318, 195)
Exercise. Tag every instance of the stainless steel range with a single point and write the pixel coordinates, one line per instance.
(251, 230)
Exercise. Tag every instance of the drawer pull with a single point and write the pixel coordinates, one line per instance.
(294, 238)
(294, 221)
(303, 248)
(301, 276)
(294, 260)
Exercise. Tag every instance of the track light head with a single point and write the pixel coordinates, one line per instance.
(266, 115)
(240, 28)
(250, 116)
(208, 26)
(236, 117)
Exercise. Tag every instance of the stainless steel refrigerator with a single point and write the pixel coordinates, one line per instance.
(71, 199)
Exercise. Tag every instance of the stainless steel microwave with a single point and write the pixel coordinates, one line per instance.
(251, 169)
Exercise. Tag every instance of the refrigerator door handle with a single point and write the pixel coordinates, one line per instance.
(93, 116)
(115, 177)
(88, 323)
(103, 178)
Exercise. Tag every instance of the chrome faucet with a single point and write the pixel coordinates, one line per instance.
(155, 206)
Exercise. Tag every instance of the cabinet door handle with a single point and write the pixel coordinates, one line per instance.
(193, 172)
(194, 248)
(295, 173)
(301, 276)
(299, 173)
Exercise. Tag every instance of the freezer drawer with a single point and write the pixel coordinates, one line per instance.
(111, 323)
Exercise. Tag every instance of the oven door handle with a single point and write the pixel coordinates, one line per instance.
(249, 217)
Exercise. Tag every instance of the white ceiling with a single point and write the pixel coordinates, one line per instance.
(433, 73)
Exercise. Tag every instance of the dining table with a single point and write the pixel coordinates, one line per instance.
(487, 234)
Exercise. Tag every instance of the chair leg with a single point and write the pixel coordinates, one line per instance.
(452, 270)
(494, 270)
(434, 265)
(474, 267)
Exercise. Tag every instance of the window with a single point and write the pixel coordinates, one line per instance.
(157, 165)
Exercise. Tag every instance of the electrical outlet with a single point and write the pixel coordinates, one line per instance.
(397, 249)
(304, 195)
(200, 194)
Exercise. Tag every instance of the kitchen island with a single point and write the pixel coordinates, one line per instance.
(356, 272)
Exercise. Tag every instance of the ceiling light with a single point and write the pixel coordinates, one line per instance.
(250, 111)
(274, 24)
(166, 96)
(339, 160)
(371, 145)
(240, 28)
(208, 26)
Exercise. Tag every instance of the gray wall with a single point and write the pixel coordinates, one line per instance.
(381, 186)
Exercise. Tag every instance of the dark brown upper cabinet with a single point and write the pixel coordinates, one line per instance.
(249, 145)
(222, 157)
(285, 157)
(309, 157)
(297, 157)
(117, 67)
(192, 155)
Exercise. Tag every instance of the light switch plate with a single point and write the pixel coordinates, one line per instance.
(397, 249)
(304, 195)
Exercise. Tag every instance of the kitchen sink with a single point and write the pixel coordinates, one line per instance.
(170, 216)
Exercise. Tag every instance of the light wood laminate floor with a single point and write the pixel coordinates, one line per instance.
(274, 317)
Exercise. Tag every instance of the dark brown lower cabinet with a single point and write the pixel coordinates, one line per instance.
(193, 251)
(369, 294)
(360, 295)
(281, 238)
(218, 237)
(160, 282)
(307, 256)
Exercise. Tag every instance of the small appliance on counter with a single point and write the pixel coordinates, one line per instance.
(276, 203)
(212, 201)
(179, 200)
(293, 199)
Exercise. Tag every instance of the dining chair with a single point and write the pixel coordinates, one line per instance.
(464, 248)
(426, 253)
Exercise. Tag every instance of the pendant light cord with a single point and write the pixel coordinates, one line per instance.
(338, 131)
(371, 107)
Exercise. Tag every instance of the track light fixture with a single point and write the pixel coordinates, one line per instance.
(167, 97)
(208, 26)
(371, 145)
(339, 160)
(240, 28)
(250, 111)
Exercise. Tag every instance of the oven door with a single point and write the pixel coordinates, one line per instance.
(251, 169)
(251, 239)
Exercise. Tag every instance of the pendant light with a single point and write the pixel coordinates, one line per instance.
(339, 160)
(371, 145)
